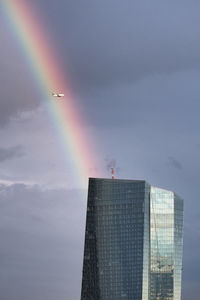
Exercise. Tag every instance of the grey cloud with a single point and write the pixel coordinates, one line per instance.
(131, 62)
(174, 163)
(19, 92)
(42, 235)
(190, 291)
(117, 42)
(168, 100)
(104, 45)
(191, 276)
(11, 153)
(135, 67)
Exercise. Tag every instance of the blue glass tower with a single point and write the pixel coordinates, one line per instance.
(133, 242)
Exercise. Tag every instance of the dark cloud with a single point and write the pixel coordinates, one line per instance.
(135, 68)
(131, 62)
(104, 45)
(19, 92)
(42, 235)
(11, 153)
(174, 163)
(117, 42)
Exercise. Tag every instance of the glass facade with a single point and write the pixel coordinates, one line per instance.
(178, 245)
(162, 244)
(129, 242)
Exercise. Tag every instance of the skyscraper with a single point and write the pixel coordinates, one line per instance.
(133, 242)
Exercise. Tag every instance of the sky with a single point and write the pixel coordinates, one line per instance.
(133, 70)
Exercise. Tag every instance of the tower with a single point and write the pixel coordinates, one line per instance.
(133, 242)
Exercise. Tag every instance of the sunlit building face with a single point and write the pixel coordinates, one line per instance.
(133, 242)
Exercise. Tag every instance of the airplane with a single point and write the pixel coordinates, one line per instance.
(58, 95)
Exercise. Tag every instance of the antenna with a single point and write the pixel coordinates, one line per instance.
(112, 170)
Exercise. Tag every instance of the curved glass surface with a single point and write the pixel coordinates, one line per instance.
(166, 221)
(133, 242)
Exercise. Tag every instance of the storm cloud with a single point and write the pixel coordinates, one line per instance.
(133, 68)
(119, 42)
(106, 48)
(41, 230)
(17, 83)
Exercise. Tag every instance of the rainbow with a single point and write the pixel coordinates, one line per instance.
(48, 74)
